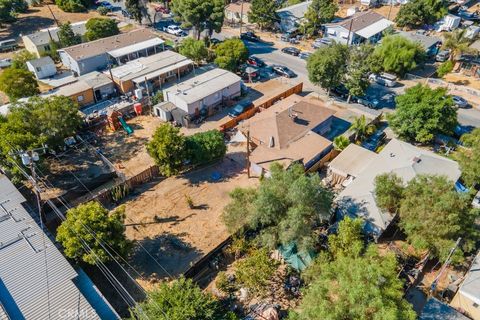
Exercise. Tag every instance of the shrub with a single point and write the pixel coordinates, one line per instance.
(445, 68)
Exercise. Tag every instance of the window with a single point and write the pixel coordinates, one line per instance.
(38, 69)
(46, 47)
(80, 98)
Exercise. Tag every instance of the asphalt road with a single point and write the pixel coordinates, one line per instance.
(271, 55)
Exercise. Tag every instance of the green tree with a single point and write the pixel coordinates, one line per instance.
(66, 36)
(20, 58)
(340, 143)
(361, 128)
(327, 66)
(458, 43)
(194, 49)
(433, 215)
(358, 69)
(9, 9)
(93, 225)
(52, 52)
(157, 97)
(100, 28)
(285, 209)
(445, 68)
(255, 271)
(468, 157)
(422, 112)
(39, 121)
(348, 242)
(167, 148)
(359, 287)
(263, 13)
(204, 147)
(180, 300)
(319, 12)
(416, 14)
(18, 83)
(199, 14)
(137, 9)
(230, 54)
(398, 54)
(238, 212)
(73, 5)
(388, 191)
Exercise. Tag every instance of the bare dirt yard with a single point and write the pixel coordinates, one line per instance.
(160, 219)
(128, 153)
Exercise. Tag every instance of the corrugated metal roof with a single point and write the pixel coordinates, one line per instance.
(23, 280)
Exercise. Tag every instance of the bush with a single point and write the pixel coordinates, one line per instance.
(100, 28)
(206, 146)
(71, 5)
(445, 68)
(223, 283)
(157, 98)
(255, 271)
(102, 11)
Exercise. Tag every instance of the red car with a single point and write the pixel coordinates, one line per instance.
(161, 9)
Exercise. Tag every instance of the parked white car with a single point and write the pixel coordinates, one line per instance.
(385, 79)
(173, 29)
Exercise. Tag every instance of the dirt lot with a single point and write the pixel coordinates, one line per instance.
(129, 153)
(159, 217)
(39, 17)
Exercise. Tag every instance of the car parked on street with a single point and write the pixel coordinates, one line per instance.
(442, 56)
(5, 63)
(173, 29)
(291, 50)
(369, 102)
(284, 71)
(240, 108)
(340, 91)
(304, 55)
(255, 62)
(460, 102)
(249, 36)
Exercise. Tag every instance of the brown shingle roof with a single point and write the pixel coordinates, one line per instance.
(96, 47)
(359, 21)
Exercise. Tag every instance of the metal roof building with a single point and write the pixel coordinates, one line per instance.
(26, 252)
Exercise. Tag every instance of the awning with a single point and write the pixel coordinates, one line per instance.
(136, 47)
(159, 72)
(374, 28)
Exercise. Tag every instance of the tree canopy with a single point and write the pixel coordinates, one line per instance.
(422, 112)
(73, 5)
(388, 192)
(263, 13)
(319, 12)
(18, 83)
(349, 282)
(180, 300)
(66, 36)
(399, 55)
(9, 9)
(20, 58)
(230, 54)
(199, 14)
(204, 147)
(327, 66)
(468, 158)
(359, 67)
(194, 49)
(416, 14)
(255, 271)
(92, 224)
(285, 208)
(98, 28)
(137, 9)
(458, 43)
(362, 128)
(167, 148)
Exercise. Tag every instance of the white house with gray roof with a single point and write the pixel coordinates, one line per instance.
(42, 68)
(291, 16)
(28, 258)
(398, 157)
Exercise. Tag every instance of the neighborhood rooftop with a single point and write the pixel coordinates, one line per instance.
(206, 84)
(23, 246)
(44, 36)
(150, 67)
(133, 40)
(40, 62)
(295, 11)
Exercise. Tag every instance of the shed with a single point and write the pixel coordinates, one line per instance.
(42, 68)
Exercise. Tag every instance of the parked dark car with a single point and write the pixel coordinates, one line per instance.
(249, 36)
(340, 91)
(375, 140)
(460, 102)
(255, 62)
(304, 55)
(126, 14)
(369, 102)
(291, 50)
(284, 71)
(240, 108)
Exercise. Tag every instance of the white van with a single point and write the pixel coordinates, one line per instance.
(385, 79)
(8, 45)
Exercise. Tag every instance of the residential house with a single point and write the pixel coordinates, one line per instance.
(36, 281)
(117, 50)
(39, 42)
(430, 44)
(155, 70)
(291, 131)
(42, 68)
(89, 89)
(367, 26)
(291, 16)
(467, 298)
(437, 310)
(204, 92)
(237, 11)
(398, 157)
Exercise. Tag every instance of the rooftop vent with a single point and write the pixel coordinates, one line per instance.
(271, 144)
(416, 159)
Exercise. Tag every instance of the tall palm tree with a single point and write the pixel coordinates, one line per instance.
(457, 42)
(361, 128)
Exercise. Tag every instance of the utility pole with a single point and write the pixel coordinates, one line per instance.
(433, 286)
(349, 31)
(241, 16)
(248, 153)
(53, 16)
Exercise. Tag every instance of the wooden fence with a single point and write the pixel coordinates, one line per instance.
(259, 104)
